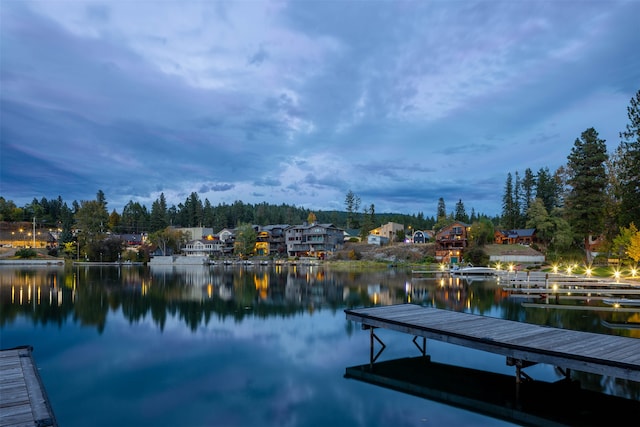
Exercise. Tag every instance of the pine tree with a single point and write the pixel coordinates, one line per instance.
(629, 179)
(585, 202)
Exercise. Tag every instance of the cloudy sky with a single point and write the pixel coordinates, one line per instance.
(300, 101)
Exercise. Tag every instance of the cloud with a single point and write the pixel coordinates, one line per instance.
(299, 102)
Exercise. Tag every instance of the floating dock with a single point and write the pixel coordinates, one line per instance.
(23, 400)
(523, 344)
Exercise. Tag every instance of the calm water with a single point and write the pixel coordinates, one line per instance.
(238, 346)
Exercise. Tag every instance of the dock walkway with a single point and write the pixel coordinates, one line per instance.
(23, 400)
(523, 344)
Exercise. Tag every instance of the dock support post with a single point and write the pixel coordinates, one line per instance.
(373, 358)
(423, 347)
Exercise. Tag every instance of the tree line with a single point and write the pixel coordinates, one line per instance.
(596, 194)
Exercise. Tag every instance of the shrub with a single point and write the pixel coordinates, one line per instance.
(26, 253)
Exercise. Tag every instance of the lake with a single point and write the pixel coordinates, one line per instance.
(252, 345)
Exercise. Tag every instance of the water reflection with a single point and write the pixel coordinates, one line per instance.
(194, 296)
(87, 294)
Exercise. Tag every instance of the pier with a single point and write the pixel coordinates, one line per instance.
(522, 344)
(23, 400)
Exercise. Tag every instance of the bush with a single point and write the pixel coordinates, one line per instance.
(477, 256)
(26, 253)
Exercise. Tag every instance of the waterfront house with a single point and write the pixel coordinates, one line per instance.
(451, 241)
(204, 247)
(313, 240)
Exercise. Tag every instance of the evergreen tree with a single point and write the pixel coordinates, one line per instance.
(509, 212)
(629, 189)
(528, 187)
(546, 189)
(442, 210)
(352, 204)
(517, 215)
(585, 202)
(158, 219)
(461, 214)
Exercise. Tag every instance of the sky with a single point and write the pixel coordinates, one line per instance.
(301, 101)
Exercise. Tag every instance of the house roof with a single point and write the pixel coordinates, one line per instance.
(521, 232)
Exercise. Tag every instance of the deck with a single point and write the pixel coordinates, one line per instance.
(23, 400)
(523, 344)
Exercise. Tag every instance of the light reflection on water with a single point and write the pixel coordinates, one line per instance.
(245, 346)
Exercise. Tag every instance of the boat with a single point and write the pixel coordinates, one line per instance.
(622, 301)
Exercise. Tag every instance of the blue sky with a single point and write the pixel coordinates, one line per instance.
(298, 102)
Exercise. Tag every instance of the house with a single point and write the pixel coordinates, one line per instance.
(196, 233)
(351, 234)
(389, 230)
(271, 240)
(315, 240)
(523, 236)
(420, 236)
(374, 239)
(204, 247)
(451, 241)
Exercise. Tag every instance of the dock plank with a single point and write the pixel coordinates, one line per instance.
(583, 351)
(23, 400)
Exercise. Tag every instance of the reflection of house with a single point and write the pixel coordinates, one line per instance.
(389, 230)
(512, 237)
(451, 241)
(313, 239)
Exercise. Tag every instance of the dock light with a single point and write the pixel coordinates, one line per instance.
(569, 268)
(555, 268)
(441, 267)
(498, 266)
(616, 274)
(634, 272)
(555, 287)
(510, 267)
(588, 272)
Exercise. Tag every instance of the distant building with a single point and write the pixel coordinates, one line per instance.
(205, 247)
(420, 236)
(524, 236)
(389, 230)
(374, 239)
(196, 233)
(313, 240)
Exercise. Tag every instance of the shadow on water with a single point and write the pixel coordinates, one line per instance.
(532, 403)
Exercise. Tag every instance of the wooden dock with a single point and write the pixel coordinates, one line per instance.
(523, 344)
(23, 400)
